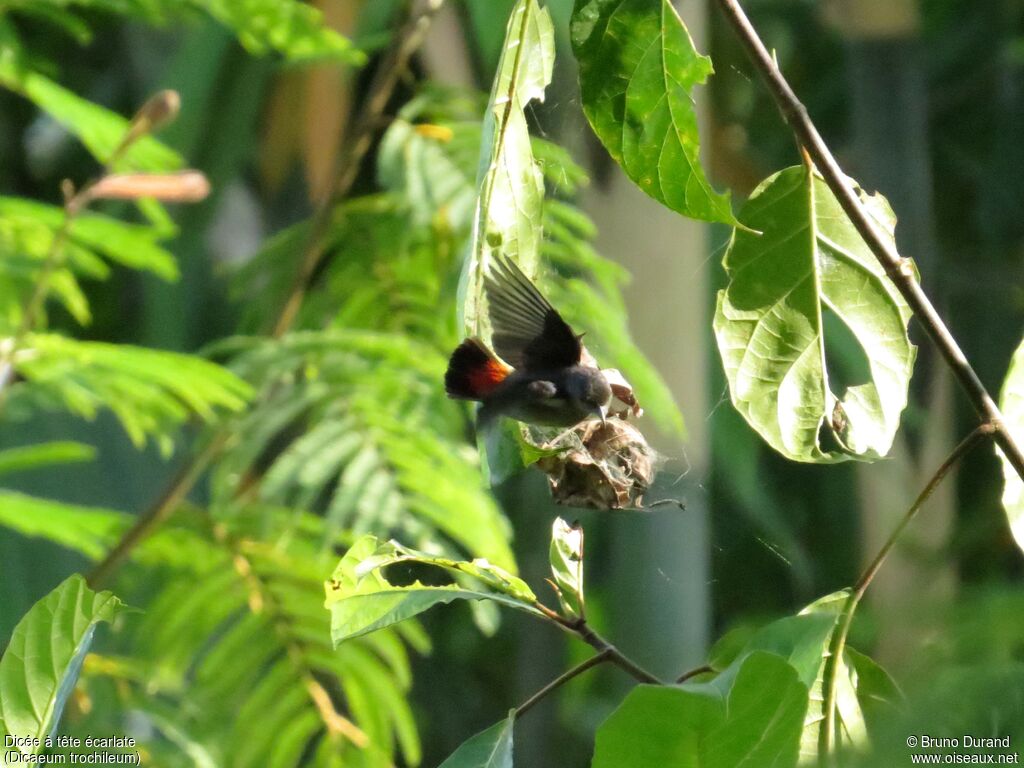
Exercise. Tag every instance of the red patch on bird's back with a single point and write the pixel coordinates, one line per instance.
(487, 376)
(473, 372)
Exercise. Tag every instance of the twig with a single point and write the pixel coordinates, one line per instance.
(561, 680)
(145, 524)
(586, 633)
(838, 643)
(979, 433)
(704, 668)
(349, 161)
(796, 115)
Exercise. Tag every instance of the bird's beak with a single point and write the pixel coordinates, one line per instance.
(601, 412)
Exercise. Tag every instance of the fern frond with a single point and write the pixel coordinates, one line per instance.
(390, 458)
(290, 28)
(151, 392)
(236, 633)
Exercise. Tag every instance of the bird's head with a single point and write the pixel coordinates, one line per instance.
(590, 392)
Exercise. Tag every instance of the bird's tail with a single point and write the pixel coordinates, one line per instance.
(473, 371)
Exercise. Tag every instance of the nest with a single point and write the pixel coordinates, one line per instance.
(608, 466)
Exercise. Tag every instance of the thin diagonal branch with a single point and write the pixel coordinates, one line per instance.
(586, 633)
(561, 680)
(837, 645)
(796, 115)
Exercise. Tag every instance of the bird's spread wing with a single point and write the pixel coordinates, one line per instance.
(527, 332)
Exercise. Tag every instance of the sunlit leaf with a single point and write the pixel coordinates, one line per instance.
(150, 391)
(638, 72)
(40, 667)
(130, 245)
(26, 457)
(772, 324)
(510, 184)
(1011, 402)
(566, 559)
(807, 641)
(362, 600)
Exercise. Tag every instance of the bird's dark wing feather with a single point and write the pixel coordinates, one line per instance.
(528, 332)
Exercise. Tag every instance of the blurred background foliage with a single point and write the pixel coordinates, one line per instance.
(347, 430)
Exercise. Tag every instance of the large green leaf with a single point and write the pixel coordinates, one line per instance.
(837, 678)
(1011, 402)
(491, 748)
(511, 187)
(755, 723)
(808, 267)
(41, 664)
(362, 600)
(638, 72)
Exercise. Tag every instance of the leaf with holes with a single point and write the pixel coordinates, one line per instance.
(638, 73)
(814, 390)
(566, 558)
(510, 183)
(362, 600)
(41, 664)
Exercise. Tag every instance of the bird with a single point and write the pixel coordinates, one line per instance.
(536, 372)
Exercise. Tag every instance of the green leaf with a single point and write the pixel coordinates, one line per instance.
(88, 530)
(755, 723)
(638, 72)
(131, 245)
(566, 558)
(1011, 402)
(488, 749)
(43, 455)
(41, 664)
(361, 600)
(808, 641)
(878, 694)
(810, 266)
(294, 29)
(510, 183)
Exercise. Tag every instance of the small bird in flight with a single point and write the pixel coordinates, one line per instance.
(538, 375)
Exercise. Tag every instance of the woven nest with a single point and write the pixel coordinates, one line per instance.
(608, 466)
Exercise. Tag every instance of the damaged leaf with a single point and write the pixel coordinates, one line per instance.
(813, 395)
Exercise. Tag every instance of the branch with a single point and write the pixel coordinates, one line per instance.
(796, 115)
(701, 670)
(561, 680)
(585, 632)
(978, 434)
(845, 621)
(349, 160)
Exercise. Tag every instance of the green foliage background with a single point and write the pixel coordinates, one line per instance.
(150, 346)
